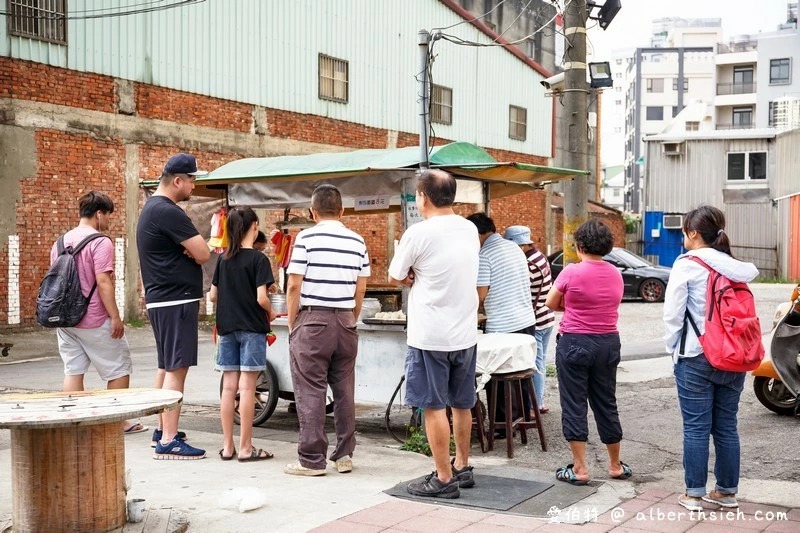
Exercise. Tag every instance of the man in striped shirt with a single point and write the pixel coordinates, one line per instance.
(504, 289)
(541, 282)
(328, 276)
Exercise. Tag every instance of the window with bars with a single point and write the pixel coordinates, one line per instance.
(44, 20)
(692, 126)
(517, 122)
(441, 105)
(333, 79)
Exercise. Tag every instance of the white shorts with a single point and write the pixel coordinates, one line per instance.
(80, 347)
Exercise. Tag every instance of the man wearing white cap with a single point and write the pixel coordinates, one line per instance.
(541, 281)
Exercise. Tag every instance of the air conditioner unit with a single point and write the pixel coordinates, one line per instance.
(672, 148)
(672, 222)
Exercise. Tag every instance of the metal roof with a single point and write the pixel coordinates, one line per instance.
(712, 135)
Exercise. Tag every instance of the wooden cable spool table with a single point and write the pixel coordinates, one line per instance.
(68, 455)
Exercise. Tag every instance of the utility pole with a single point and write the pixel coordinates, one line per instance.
(575, 129)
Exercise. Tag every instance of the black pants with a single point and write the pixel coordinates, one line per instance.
(501, 394)
(587, 371)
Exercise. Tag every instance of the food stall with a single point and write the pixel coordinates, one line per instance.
(373, 181)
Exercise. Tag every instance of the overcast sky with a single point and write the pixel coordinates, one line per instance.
(631, 27)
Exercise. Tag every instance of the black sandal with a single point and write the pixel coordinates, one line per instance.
(226, 457)
(256, 455)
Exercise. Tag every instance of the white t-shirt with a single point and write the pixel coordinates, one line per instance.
(443, 302)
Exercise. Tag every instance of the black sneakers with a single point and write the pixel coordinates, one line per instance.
(433, 488)
(464, 476)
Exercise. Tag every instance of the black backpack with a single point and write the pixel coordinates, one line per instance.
(61, 303)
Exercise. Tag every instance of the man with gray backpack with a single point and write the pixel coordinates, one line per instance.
(76, 297)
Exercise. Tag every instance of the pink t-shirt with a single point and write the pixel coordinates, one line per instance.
(96, 257)
(592, 294)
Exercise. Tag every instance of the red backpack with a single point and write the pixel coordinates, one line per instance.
(732, 338)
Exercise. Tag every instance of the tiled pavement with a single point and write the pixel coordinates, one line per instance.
(654, 511)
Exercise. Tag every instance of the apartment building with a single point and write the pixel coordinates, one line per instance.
(659, 83)
(756, 86)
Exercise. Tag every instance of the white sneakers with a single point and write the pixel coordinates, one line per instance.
(344, 465)
(296, 469)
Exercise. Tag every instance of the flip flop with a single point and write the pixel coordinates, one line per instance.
(567, 475)
(256, 455)
(136, 427)
(627, 472)
(226, 457)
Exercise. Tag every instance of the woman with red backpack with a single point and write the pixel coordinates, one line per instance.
(708, 396)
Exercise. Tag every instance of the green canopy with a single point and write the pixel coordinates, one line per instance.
(382, 168)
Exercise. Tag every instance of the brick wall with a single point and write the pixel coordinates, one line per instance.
(317, 129)
(27, 80)
(69, 165)
(188, 108)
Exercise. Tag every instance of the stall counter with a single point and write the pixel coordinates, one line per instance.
(379, 365)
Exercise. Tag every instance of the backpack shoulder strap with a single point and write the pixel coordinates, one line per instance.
(60, 246)
(76, 249)
(700, 262)
(687, 319)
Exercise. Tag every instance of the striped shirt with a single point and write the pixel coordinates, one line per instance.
(541, 282)
(504, 269)
(330, 258)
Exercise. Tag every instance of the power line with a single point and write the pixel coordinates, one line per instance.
(521, 12)
(470, 20)
(76, 15)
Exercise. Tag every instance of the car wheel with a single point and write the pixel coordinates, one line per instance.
(652, 290)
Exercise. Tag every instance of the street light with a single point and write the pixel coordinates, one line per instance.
(600, 74)
(607, 11)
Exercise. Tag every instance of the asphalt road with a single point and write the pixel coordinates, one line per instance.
(646, 396)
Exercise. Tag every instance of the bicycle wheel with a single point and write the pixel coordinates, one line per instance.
(266, 397)
(402, 420)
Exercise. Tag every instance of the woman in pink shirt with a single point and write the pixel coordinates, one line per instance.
(588, 351)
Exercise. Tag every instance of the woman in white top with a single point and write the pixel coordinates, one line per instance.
(708, 397)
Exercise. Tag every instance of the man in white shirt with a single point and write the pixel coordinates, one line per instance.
(438, 259)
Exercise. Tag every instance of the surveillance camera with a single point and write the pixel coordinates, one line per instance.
(554, 83)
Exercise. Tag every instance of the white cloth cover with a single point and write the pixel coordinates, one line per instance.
(499, 353)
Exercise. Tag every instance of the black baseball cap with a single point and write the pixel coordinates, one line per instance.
(183, 164)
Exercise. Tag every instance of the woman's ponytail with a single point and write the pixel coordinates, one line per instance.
(709, 222)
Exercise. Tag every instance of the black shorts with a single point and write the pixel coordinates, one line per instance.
(175, 330)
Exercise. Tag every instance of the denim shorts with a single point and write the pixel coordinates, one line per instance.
(244, 351)
(435, 380)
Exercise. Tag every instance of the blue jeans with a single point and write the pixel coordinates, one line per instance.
(242, 351)
(709, 401)
(542, 340)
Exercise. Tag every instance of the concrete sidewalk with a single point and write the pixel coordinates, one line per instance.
(355, 502)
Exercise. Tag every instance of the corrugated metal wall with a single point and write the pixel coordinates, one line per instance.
(265, 53)
(676, 184)
(787, 155)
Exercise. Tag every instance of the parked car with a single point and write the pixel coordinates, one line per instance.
(641, 278)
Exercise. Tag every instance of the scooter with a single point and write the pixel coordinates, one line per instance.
(777, 379)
